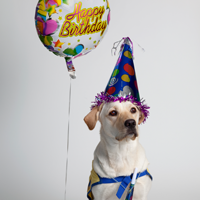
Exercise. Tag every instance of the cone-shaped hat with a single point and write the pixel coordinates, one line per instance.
(122, 85)
(123, 80)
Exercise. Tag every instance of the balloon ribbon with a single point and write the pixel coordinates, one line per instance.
(70, 67)
(67, 140)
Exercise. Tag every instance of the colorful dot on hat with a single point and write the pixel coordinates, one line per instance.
(125, 78)
(128, 54)
(115, 72)
(135, 83)
(129, 69)
(111, 90)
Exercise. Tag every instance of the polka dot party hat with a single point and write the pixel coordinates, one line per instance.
(122, 85)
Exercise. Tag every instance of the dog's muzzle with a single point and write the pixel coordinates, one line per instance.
(130, 124)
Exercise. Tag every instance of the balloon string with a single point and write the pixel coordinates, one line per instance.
(67, 141)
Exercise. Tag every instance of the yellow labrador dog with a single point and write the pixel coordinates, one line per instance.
(119, 151)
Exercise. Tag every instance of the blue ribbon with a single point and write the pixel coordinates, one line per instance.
(123, 186)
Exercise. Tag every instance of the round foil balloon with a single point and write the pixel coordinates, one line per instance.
(72, 28)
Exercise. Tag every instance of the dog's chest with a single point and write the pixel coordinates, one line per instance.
(122, 164)
(122, 160)
(116, 160)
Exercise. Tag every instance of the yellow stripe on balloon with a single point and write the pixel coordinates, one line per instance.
(43, 13)
(60, 44)
(58, 2)
(42, 5)
(46, 42)
(108, 5)
(52, 10)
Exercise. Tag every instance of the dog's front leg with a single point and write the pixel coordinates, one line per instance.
(142, 187)
(106, 192)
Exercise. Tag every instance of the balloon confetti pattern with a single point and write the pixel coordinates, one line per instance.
(72, 29)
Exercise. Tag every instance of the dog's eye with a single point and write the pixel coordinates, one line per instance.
(113, 113)
(133, 110)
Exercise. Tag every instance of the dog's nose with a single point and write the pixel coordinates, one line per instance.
(130, 123)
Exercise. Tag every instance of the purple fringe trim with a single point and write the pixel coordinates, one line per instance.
(105, 98)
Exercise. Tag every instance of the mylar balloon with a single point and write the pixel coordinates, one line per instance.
(72, 28)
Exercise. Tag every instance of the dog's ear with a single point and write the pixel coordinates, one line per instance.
(92, 118)
(141, 119)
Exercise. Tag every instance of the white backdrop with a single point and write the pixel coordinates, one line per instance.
(34, 88)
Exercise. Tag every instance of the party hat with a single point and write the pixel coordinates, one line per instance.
(122, 85)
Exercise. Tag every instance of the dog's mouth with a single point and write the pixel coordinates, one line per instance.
(131, 134)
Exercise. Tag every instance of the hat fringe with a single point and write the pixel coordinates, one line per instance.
(105, 98)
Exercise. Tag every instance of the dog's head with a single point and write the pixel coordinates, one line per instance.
(119, 120)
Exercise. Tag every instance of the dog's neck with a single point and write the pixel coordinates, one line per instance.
(118, 156)
(114, 146)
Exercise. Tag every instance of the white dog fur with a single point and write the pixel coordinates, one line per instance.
(119, 151)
